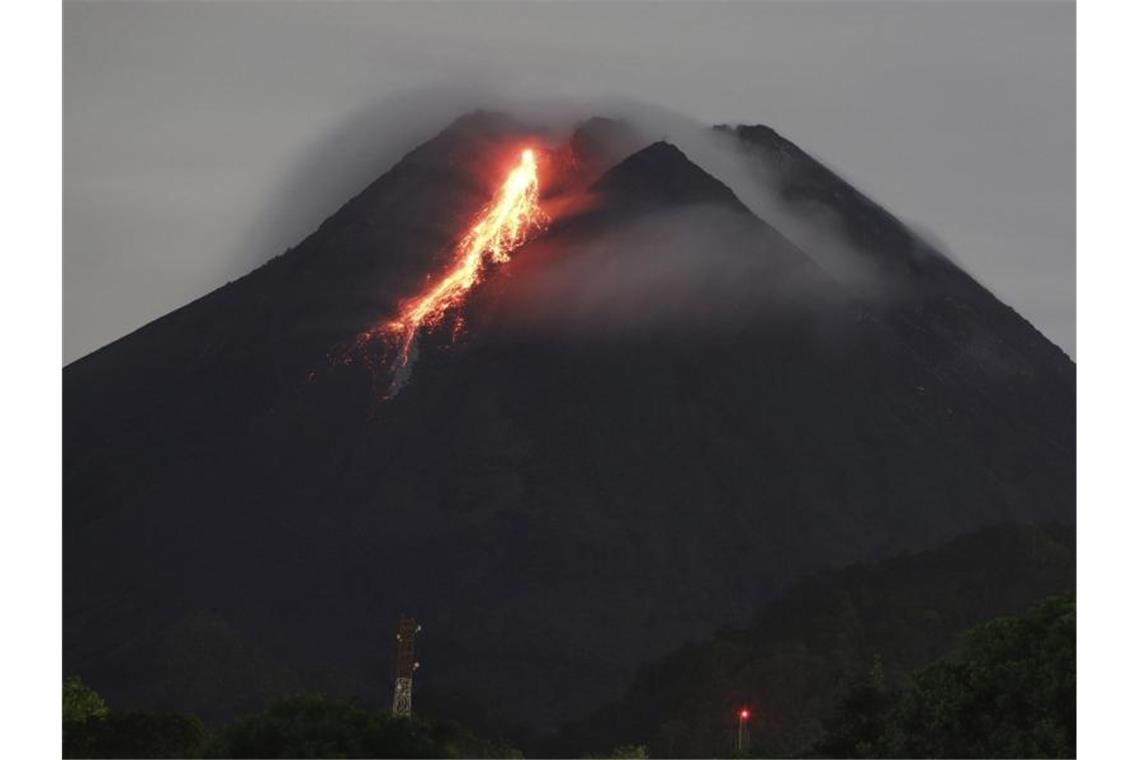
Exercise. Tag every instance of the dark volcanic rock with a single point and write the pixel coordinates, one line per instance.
(805, 182)
(699, 415)
(662, 175)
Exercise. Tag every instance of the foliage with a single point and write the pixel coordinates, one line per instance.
(90, 729)
(1010, 691)
(313, 726)
(301, 726)
(135, 734)
(624, 752)
(80, 702)
(861, 718)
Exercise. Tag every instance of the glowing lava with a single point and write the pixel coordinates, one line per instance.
(500, 228)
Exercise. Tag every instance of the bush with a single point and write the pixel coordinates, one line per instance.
(80, 702)
(134, 734)
(312, 726)
(1011, 693)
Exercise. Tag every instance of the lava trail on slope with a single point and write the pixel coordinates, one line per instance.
(504, 224)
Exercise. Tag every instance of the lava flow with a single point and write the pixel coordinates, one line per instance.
(501, 227)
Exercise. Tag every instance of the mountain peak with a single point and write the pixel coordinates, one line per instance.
(661, 174)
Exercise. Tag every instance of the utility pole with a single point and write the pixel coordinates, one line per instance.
(742, 718)
(406, 665)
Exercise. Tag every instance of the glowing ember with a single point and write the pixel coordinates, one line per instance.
(500, 228)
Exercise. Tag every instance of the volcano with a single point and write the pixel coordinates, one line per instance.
(656, 415)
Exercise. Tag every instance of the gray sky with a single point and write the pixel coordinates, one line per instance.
(200, 139)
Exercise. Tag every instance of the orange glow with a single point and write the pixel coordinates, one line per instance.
(499, 229)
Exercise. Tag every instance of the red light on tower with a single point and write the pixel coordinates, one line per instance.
(743, 714)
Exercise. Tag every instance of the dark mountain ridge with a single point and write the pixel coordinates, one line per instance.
(662, 174)
(557, 505)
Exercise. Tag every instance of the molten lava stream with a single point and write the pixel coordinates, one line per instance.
(499, 229)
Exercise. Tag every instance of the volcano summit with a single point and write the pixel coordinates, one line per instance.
(661, 410)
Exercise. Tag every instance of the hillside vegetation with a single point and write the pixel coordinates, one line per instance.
(804, 653)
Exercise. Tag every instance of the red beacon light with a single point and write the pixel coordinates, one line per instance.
(743, 714)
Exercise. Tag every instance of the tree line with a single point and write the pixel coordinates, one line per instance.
(303, 726)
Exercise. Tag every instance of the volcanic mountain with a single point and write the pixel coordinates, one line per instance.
(653, 418)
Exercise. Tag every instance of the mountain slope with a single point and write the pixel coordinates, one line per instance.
(658, 414)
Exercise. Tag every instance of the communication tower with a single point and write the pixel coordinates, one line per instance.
(406, 665)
